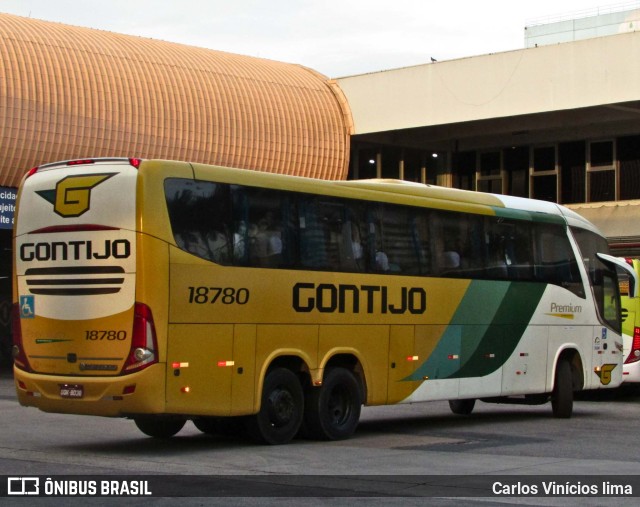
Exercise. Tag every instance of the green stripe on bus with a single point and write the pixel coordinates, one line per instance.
(529, 216)
(504, 333)
(484, 330)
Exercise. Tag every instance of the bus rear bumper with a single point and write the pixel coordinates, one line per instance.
(138, 393)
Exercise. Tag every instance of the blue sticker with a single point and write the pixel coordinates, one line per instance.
(27, 307)
(604, 333)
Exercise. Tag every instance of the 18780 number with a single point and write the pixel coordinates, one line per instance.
(108, 334)
(223, 295)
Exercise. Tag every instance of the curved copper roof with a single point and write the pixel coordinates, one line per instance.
(69, 92)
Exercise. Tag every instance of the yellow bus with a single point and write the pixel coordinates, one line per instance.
(630, 325)
(167, 291)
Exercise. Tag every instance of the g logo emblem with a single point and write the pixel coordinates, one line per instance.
(72, 195)
(605, 373)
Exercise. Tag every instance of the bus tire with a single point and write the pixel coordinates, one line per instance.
(332, 412)
(462, 407)
(562, 395)
(158, 426)
(226, 426)
(281, 409)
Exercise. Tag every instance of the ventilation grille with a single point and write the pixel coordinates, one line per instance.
(75, 281)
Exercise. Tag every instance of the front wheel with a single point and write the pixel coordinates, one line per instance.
(281, 409)
(462, 407)
(226, 426)
(159, 426)
(562, 395)
(332, 412)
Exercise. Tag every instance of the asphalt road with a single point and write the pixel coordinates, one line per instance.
(404, 455)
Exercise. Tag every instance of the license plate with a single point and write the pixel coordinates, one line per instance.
(71, 391)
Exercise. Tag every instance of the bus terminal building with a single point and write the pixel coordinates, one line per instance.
(558, 120)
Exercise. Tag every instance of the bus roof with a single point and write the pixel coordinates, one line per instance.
(401, 192)
(383, 190)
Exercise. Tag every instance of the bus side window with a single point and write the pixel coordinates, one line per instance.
(450, 244)
(507, 249)
(519, 255)
(331, 237)
(261, 228)
(313, 253)
(421, 235)
(555, 262)
(377, 244)
(199, 214)
(353, 240)
(394, 242)
(352, 248)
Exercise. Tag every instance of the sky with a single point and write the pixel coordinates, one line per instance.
(334, 37)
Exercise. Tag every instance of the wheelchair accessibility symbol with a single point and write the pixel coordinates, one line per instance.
(27, 307)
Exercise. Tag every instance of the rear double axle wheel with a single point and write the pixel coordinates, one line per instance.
(329, 412)
(281, 408)
(332, 412)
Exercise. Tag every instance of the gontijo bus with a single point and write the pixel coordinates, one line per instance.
(169, 291)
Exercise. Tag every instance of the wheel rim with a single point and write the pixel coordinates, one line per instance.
(281, 407)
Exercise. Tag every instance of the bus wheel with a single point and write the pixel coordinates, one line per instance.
(462, 407)
(227, 426)
(206, 425)
(332, 411)
(562, 395)
(281, 409)
(159, 427)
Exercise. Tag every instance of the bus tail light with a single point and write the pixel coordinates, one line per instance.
(634, 353)
(144, 344)
(83, 161)
(17, 351)
(135, 162)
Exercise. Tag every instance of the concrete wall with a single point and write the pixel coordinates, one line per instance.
(548, 78)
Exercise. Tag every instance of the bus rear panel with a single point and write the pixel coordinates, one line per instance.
(79, 331)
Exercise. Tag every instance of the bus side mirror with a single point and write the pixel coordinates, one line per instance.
(621, 263)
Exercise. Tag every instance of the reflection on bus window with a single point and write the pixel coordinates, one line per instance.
(602, 278)
(255, 227)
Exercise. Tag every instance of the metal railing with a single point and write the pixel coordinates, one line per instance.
(586, 13)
